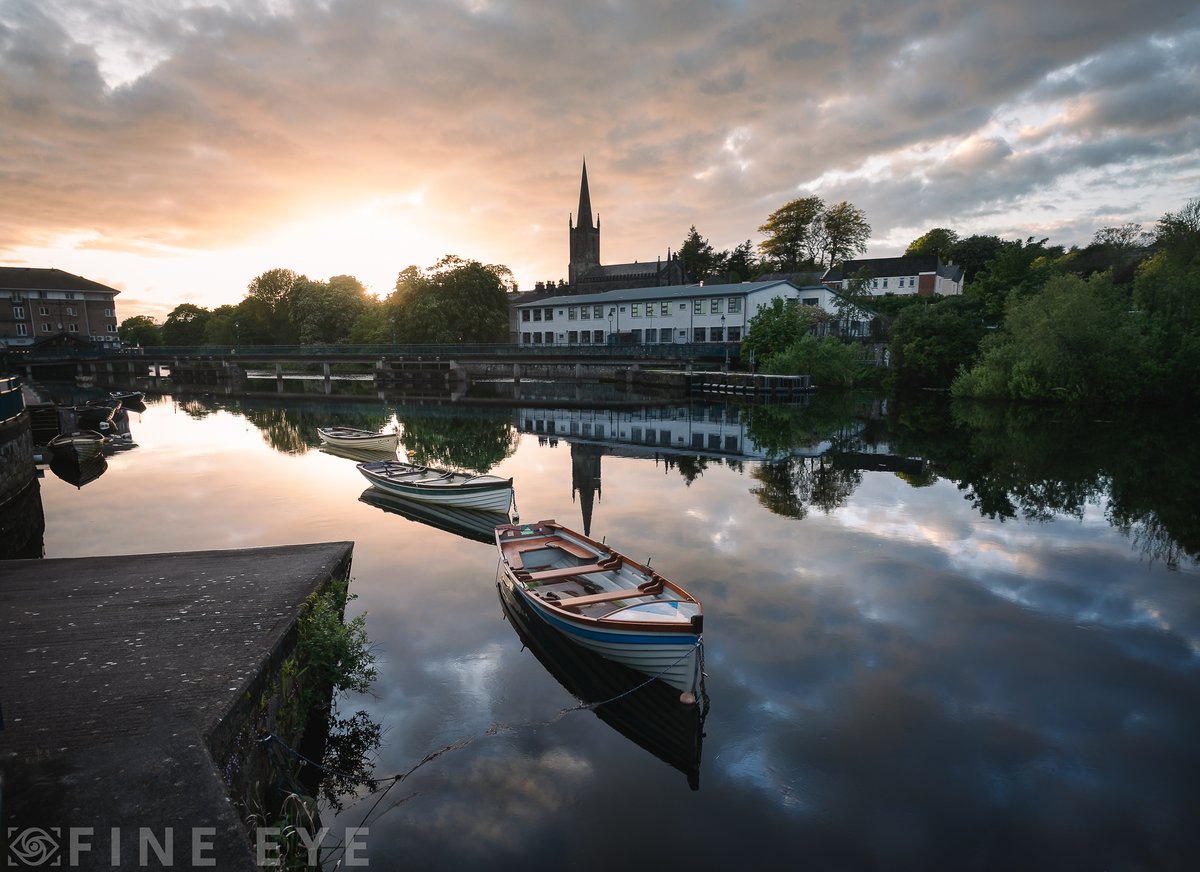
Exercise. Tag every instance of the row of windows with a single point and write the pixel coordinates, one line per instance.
(18, 297)
(713, 306)
(44, 311)
(23, 330)
(882, 284)
(649, 436)
(662, 335)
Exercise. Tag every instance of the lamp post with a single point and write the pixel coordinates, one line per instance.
(725, 340)
(610, 336)
(237, 333)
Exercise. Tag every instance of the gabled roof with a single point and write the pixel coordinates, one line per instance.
(616, 270)
(27, 278)
(885, 266)
(662, 292)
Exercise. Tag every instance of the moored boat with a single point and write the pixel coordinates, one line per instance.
(135, 400)
(606, 602)
(96, 415)
(77, 471)
(652, 717)
(442, 486)
(350, 437)
(80, 444)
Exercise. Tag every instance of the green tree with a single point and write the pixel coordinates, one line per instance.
(939, 241)
(790, 231)
(456, 300)
(140, 330)
(831, 362)
(778, 325)
(700, 260)
(1179, 232)
(742, 265)
(221, 329)
(1016, 271)
(845, 232)
(974, 253)
(1072, 342)
(185, 325)
(932, 340)
(272, 290)
(323, 313)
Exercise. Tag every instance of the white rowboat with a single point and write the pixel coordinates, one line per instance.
(606, 602)
(429, 485)
(349, 437)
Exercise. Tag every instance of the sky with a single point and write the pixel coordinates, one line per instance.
(176, 150)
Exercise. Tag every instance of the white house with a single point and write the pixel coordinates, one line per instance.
(924, 275)
(660, 315)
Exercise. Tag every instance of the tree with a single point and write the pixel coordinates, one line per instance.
(1016, 271)
(1179, 231)
(699, 259)
(454, 301)
(845, 231)
(931, 341)
(974, 253)
(272, 287)
(851, 301)
(323, 313)
(789, 230)
(140, 330)
(741, 264)
(939, 241)
(778, 325)
(185, 325)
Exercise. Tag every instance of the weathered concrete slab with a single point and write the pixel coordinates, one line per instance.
(112, 672)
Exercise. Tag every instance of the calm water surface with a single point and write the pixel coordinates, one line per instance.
(932, 641)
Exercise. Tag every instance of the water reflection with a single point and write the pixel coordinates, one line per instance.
(651, 715)
(474, 524)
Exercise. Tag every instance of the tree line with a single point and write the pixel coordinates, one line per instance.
(453, 301)
(1117, 320)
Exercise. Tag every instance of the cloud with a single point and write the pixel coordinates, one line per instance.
(199, 128)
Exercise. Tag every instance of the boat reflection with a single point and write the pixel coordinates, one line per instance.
(358, 455)
(651, 716)
(475, 524)
(77, 470)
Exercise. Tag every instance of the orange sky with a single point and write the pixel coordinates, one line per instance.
(177, 153)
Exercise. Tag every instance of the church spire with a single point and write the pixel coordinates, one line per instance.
(585, 201)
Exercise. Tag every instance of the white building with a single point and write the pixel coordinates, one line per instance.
(924, 275)
(659, 315)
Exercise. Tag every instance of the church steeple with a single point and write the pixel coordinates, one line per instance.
(585, 236)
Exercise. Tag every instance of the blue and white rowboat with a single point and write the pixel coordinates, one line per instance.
(606, 602)
(444, 487)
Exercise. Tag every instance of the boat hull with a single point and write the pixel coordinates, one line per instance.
(362, 440)
(490, 496)
(81, 445)
(666, 645)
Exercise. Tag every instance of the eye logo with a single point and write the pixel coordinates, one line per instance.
(33, 846)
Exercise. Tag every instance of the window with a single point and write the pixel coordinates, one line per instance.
(697, 307)
(71, 295)
(525, 340)
(43, 311)
(714, 306)
(537, 337)
(635, 310)
(683, 336)
(572, 313)
(586, 337)
(651, 336)
(874, 283)
(599, 431)
(45, 327)
(537, 314)
(735, 334)
(716, 334)
(108, 313)
(637, 337)
(597, 312)
(664, 334)
(598, 337)
(698, 334)
(73, 327)
(682, 307)
(585, 313)
(809, 301)
(71, 311)
(19, 313)
(22, 330)
(18, 297)
(549, 314)
(664, 308)
(735, 305)
(572, 336)
(885, 284)
(112, 328)
(524, 314)
(549, 338)
(912, 281)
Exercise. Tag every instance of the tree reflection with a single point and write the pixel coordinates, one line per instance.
(475, 442)
(790, 486)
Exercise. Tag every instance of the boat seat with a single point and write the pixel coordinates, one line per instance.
(568, 571)
(513, 550)
(607, 596)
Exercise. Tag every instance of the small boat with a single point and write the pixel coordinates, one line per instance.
(474, 524)
(349, 437)
(79, 444)
(430, 485)
(96, 415)
(652, 718)
(606, 602)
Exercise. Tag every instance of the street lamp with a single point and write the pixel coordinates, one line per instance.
(725, 339)
(237, 333)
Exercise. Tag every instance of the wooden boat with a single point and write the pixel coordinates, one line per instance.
(475, 524)
(96, 415)
(79, 444)
(349, 437)
(652, 718)
(606, 602)
(429, 485)
(135, 400)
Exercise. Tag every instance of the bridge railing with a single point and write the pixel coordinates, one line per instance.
(665, 351)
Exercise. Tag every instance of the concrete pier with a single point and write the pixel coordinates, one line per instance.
(118, 675)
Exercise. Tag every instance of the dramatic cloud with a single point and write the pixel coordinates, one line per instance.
(176, 153)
